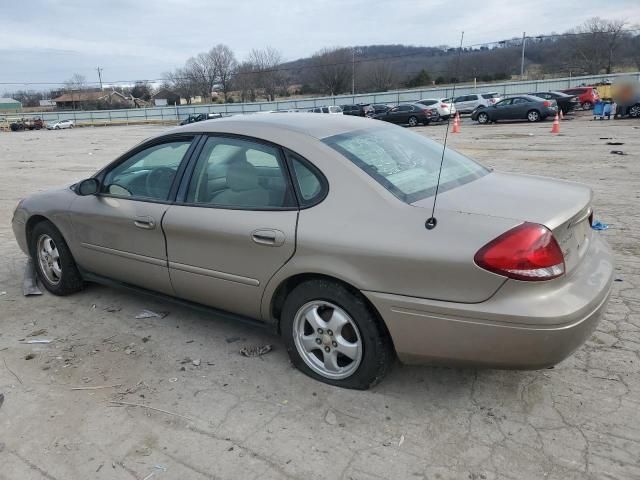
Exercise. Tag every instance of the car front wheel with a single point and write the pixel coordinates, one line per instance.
(483, 118)
(334, 336)
(54, 263)
(533, 116)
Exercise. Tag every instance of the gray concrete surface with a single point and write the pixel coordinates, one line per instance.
(251, 418)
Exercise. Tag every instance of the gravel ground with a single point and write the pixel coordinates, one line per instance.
(236, 417)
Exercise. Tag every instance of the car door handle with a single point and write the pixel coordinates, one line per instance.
(268, 237)
(147, 223)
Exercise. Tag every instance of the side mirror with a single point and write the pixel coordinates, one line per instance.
(90, 186)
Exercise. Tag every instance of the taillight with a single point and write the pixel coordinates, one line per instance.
(547, 103)
(444, 105)
(526, 252)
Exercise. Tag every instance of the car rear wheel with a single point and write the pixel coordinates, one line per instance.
(483, 118)
(533, 116)
(634, 111)
(54, 263)
(413, 121)
(333, 335)
(587, 105)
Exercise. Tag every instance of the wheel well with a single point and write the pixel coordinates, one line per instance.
(31, 223)
(290, 283)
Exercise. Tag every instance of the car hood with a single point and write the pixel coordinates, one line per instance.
(526, 198)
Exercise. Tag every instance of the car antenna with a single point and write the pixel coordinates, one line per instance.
(431, 222)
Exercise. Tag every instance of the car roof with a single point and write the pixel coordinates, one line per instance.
(318, 126)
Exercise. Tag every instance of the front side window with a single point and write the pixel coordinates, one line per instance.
(147, 174)
(405, 163)
(504, 103)
(520, 100)
(239, 173)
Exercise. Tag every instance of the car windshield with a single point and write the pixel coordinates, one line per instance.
(404, 162)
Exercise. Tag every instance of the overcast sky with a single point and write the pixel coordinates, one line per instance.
(48, 40)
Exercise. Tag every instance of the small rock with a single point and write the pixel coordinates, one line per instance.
(1, 399)
(29, 356)
(145, 339)
(196, 362)
(331, 418)
(37, 333)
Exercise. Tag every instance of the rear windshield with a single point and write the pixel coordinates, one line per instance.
(489, 95)
(404, 162)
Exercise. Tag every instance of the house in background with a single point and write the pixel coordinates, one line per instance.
(93, 99)
(9, 105)
(164, 97)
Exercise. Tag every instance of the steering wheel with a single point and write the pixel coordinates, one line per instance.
(158, 182)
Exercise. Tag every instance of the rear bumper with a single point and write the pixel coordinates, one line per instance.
(523, 326)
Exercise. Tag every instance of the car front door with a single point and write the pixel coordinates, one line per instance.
(118, 230)
(501, 110)
(233, 225)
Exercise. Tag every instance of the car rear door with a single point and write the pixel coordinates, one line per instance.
(233, 225)
(119, 230)
(519, 108)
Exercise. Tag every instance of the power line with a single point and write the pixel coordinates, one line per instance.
(506, 42)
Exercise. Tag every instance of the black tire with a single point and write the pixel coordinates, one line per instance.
(70, 281)
(634, 111)
(413, 121)
(483, 118)
(587, 105)
(378, 354)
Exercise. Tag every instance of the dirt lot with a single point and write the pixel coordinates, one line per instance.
(237, 417)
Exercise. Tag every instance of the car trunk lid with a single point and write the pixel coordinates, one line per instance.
(563, 207)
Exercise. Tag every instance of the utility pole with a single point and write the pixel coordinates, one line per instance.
(100, 76)
(524, 39)
(353, 70)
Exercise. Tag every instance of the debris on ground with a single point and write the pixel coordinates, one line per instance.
(615, 143)
(331, 418)
(29, 356)
(2, 293)
(130, 349)
(30, 284)
(150, 314)
(617, 152)
(598, 225)
(37, 333)
(618, 280)
(401, 441)
(1, 399)
(112, 308)
(38, 341)
(186, 360)
(233, 339)
(196, 363)
(255, 350)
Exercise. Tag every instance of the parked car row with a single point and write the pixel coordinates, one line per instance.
(200, 118)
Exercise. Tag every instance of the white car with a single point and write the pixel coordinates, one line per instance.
(468, 103)
(60, 124)
(444, 106)
(332, 109)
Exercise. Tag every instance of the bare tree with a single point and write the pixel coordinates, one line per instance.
(225, 65)
(267, 76)
(595, 42)
(181, 83)
(378, 76)
(201, 71)
(74, 86)
(330, 69)
(245, 81)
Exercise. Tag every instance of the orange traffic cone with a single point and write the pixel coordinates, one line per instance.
(456, 124)
(556, 125)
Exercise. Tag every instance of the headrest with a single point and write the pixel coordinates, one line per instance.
(242, 176)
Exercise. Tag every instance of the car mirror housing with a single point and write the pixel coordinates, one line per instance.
(89, 186)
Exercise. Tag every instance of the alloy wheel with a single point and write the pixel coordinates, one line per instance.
(483, 118)
(533, 116)
(327, 339)
(49, 259)
(413, 121)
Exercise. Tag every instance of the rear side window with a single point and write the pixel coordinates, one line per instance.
(311, 185)
(489, 95)
(428, 102)
(240, 174)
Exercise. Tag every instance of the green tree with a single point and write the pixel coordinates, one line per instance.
(422, 78)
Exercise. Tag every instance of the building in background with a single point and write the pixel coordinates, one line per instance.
(93, 99)
(164, 97)
(9, 105)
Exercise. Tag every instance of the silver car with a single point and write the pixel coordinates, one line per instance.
(317, 226)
